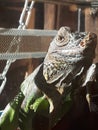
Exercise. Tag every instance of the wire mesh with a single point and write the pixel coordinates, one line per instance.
(14, 44)
(21, 44)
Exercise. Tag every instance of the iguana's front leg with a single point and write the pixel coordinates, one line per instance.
(10, 115)
(91, 84)
(35, 104)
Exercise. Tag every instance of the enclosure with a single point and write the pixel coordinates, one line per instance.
(26, 29)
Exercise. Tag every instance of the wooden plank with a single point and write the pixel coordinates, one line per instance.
(66, 17)
(33, 43)
(91, 25)
(71, 2)
(62, 2)
(31, 23)
(50, 11)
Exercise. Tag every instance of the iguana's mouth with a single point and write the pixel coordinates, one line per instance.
(70, 52)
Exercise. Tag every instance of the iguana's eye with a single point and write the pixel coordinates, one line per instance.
(62, 37)
(62, 40)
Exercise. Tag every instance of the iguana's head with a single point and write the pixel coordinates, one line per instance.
(68, 53)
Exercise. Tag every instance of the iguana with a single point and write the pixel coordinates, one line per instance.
(47, 91)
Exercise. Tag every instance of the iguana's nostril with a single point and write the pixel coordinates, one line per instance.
(82, 44)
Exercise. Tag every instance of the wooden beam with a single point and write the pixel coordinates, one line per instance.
(82, 3)
(50, 11)
(91, 25)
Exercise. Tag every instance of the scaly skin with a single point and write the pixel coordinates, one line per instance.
(51, 84)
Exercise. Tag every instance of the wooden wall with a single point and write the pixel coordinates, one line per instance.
(56, 16)
(91, 25)
(46, 16)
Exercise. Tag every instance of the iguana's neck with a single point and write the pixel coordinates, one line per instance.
(65, 76)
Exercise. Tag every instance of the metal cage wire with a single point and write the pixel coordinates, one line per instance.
(23, 23)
